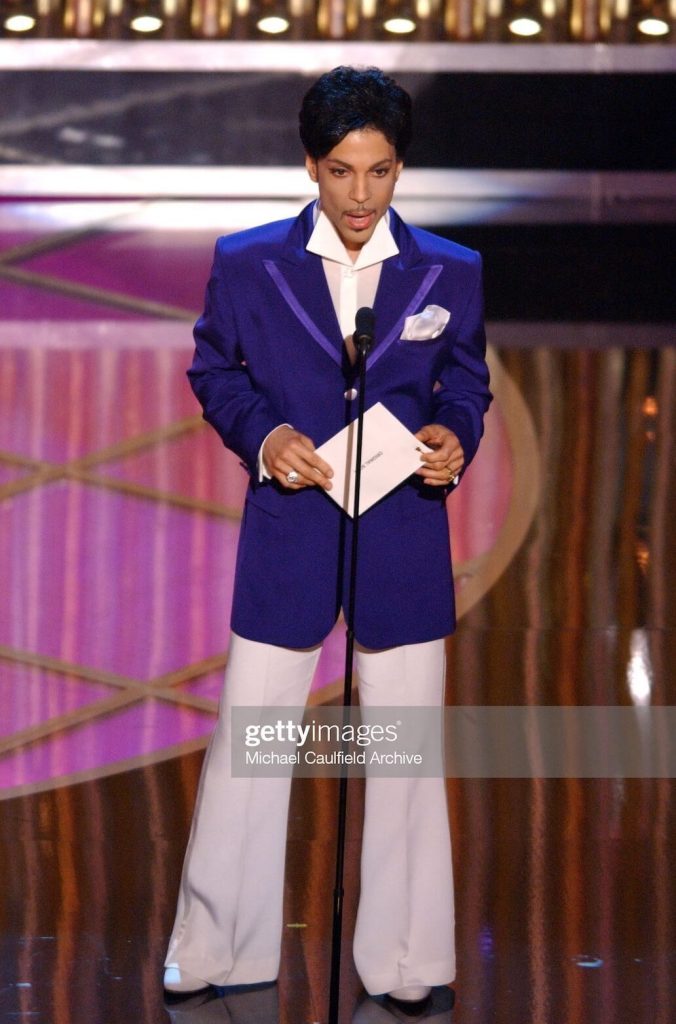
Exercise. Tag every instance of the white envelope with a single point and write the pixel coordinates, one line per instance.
(390, 453)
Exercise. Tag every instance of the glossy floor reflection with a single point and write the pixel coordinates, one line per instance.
(565, 895)
(118, 519)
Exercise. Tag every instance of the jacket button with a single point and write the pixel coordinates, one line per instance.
(351, 394)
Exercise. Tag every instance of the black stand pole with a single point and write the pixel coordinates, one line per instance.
(363, 342)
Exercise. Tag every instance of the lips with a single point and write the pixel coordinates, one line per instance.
(360, 220)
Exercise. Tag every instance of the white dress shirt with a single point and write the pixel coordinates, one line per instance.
(352, 283)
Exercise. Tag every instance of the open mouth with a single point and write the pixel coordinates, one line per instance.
(360, 219)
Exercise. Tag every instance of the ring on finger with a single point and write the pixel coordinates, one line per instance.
(292, 476)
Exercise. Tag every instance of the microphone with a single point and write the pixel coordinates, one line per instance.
(365, 323)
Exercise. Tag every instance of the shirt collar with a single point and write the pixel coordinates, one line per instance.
(325, 242)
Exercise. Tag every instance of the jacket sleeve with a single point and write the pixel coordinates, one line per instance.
(462, 396)
(241, 415)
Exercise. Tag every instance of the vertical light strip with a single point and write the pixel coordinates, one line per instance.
(69, 904)
(74, 528)
(26, 630)
(153, 375)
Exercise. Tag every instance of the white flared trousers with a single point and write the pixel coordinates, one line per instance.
(228, 925)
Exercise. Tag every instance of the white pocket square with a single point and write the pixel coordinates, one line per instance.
(426, 325)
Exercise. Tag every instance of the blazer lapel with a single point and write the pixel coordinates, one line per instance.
(405, 281)
(401, 293)
(301, 280)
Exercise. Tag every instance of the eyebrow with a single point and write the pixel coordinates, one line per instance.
(379, 163)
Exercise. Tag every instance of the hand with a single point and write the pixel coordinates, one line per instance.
(443, 464)
(286, 449)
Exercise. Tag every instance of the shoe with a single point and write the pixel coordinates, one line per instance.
(179, 985)
(410, 994)
(410, 1000)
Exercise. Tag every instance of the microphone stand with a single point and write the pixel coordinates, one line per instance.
(363, 339)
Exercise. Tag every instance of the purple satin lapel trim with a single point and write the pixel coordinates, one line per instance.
(429, 279)
(309, 324)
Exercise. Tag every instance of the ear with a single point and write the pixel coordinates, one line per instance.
(311, 165)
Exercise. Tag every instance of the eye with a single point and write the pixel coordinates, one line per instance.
(381, 172)
(338, 172)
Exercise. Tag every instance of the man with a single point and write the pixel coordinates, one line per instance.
(274, 371)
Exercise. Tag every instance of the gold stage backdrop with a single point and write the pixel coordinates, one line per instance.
(495, 21)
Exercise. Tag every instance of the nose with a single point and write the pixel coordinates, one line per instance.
(360, 191)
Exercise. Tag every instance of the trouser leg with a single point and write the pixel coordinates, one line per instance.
(229, 917)
(404, 933)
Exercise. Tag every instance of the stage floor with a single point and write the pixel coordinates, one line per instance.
(119, 515)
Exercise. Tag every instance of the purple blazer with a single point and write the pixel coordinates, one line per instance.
(269, 350)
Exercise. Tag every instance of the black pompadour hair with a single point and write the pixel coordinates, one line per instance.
(348, 99)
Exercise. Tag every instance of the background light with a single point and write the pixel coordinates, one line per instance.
(525, 27)
(639, 669)
(19, 23)
(653, 27)
(273, 24)
(146, 23)
(399, 26)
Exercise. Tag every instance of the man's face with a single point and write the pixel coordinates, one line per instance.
(356, 181)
